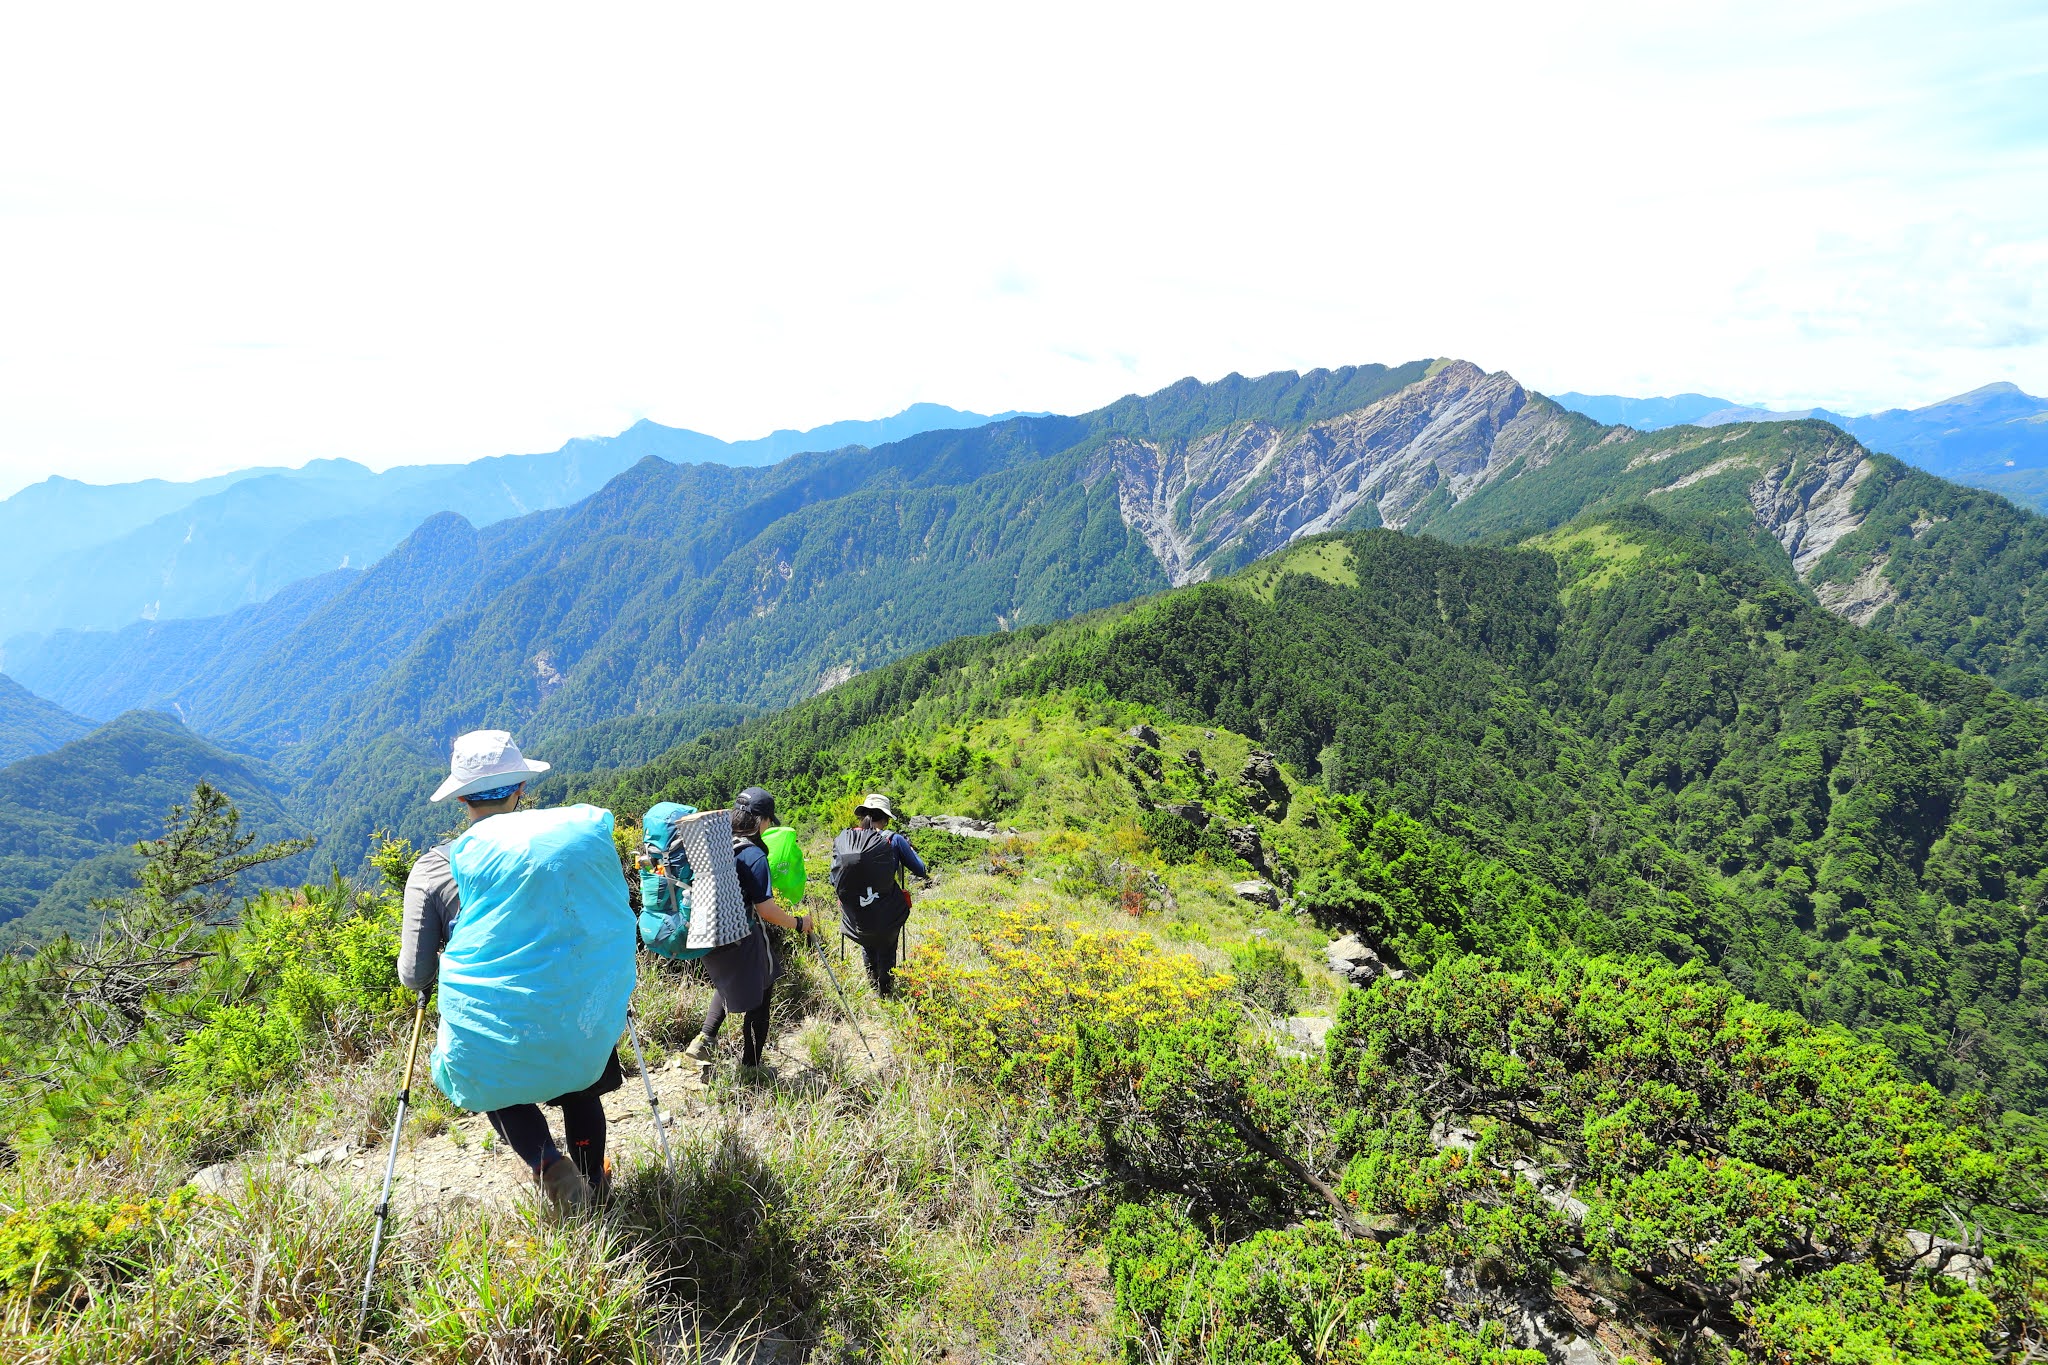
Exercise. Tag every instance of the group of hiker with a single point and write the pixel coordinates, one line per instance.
(523, 923)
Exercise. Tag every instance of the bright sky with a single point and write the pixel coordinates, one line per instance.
(261, 235)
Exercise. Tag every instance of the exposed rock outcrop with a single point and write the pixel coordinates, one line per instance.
(1249, 489)
(954, 824)
(1262, 781)
(1257, 892)
(1811, 507)
(1358, 962)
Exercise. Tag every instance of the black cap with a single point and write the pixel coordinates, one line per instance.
(755, 801)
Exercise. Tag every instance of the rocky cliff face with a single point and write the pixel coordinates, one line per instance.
(1235, 494)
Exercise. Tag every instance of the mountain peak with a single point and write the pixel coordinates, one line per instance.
(1984, 393)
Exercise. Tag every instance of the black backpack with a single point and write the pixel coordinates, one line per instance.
(864, 876)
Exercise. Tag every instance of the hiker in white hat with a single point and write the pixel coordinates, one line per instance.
(488, 775)
(868, 863)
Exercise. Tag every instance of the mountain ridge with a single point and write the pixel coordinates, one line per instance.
(31, 725)
(69, 817)
(1994, 437)
(688, 585)
(103, 555)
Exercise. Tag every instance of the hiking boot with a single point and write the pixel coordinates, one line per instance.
(699, 1049)
(565, 1186)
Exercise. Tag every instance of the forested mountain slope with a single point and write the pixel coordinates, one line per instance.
(1956, 573)
(1640, 745)
(31, 725)
(69, 818)
(168, 665)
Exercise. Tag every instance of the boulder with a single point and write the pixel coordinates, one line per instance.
(323, 1156)
(1244, 842)
(1352, 958)
(1258, 893)
(1310, 1030)
(216, 1179)
(1145, 735)
(1145, 760)
(1261, 777)
(1191, 811)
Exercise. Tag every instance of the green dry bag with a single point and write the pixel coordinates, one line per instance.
(785, 865)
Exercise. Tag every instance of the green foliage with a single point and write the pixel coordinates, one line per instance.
(1713, 1141)
(1849, 1314)
(1019, 1018)
(69, 819)
(43, 1250)
(1179, 840)
(1284, 1297)
(155, 1031)
(1265, 977)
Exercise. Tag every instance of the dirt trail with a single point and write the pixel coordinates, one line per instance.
(465, 1166)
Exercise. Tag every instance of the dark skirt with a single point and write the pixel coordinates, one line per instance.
(742, 971)
(609, 1080)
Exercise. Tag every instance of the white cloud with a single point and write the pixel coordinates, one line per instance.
(407, 233)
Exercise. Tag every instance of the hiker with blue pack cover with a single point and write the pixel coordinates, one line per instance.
(523, 923)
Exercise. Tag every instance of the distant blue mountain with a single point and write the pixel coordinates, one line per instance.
(1644, 414)
(86, 556)
(1994, 437)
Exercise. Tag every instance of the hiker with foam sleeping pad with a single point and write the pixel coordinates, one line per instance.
(868, 862)
(523, 924)
(743, 973)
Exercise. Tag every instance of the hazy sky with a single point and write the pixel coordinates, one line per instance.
(236, 236)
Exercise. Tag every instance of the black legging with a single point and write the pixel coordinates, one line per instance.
(525, 1130)
(753, 1025)
(881, 960)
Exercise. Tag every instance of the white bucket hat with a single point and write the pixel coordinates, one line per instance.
(485, 759)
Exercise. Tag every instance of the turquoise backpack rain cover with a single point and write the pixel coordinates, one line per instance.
(664, 876)
(536, 978)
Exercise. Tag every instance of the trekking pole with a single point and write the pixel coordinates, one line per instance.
(844, 1003)
(412, 1054)
(653, 1104)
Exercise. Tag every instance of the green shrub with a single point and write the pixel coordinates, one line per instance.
(1017, 1021)
(1290, 1296)
(42, 1250)
(1265, 977)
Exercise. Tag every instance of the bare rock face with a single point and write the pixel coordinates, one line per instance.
(1861, 599)
(1250, 489)
(1358, 962)
(1810, 508)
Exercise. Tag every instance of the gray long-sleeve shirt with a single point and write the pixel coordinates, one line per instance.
(431, 905)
